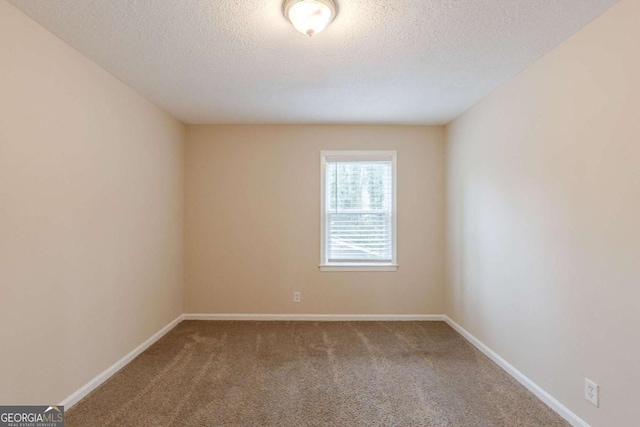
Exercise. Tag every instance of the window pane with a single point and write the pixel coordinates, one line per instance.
(359, 186)
(359, 211)
(359, 236)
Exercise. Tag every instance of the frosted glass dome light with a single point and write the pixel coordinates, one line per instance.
(310, 16)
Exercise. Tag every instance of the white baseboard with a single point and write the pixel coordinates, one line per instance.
(549, 400)
(316, 317)
(76, 396)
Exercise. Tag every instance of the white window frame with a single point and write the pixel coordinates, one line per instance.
(357, 266)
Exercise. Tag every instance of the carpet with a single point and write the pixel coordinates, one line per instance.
(226, 373)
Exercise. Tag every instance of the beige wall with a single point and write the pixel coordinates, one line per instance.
(544, 219)
(252, 221)
(90, 216)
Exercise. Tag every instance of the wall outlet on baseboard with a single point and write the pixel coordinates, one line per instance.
(296, 297)
(591, 391)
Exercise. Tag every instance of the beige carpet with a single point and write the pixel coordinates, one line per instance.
(312, 374)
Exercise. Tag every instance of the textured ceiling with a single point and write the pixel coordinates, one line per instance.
(380, 61)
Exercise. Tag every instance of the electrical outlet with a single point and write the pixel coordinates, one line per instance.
(296, 297)
(591, 390)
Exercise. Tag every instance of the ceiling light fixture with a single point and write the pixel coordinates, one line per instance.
(310, 16)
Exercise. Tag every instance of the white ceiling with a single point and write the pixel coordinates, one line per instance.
(380, 61)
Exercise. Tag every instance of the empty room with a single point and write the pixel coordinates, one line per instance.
(319, 213)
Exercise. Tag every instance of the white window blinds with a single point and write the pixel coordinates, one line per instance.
(359, 208)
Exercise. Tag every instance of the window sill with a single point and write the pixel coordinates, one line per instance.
(358, 267)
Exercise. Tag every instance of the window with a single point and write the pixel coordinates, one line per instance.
(358, 211)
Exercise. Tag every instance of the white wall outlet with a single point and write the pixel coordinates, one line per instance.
(296, 297)
(591, 391)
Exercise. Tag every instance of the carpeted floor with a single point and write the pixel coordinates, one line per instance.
(311, 374)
